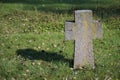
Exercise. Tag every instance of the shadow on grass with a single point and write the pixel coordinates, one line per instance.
(32, 54)
(56, 6)
(68, 6)
(51, 1)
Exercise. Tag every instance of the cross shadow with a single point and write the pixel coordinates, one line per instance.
(32, 54)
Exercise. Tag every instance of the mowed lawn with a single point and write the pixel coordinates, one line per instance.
(33, 47)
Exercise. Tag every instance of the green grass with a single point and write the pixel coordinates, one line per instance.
(32, 45)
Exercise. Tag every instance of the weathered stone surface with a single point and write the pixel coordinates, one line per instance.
(83, 43)
(97, 29)
(69, 30)
(83, 30)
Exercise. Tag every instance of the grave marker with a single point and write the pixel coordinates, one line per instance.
(83, 30)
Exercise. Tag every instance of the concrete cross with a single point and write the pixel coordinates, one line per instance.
(83, 30)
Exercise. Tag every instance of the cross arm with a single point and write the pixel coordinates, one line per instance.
(97, 29)
(69, 30)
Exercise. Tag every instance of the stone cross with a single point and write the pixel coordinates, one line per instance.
(82, 31)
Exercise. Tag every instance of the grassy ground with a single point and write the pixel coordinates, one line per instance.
(32, 45)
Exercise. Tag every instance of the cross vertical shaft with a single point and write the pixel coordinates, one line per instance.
(83, 40)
